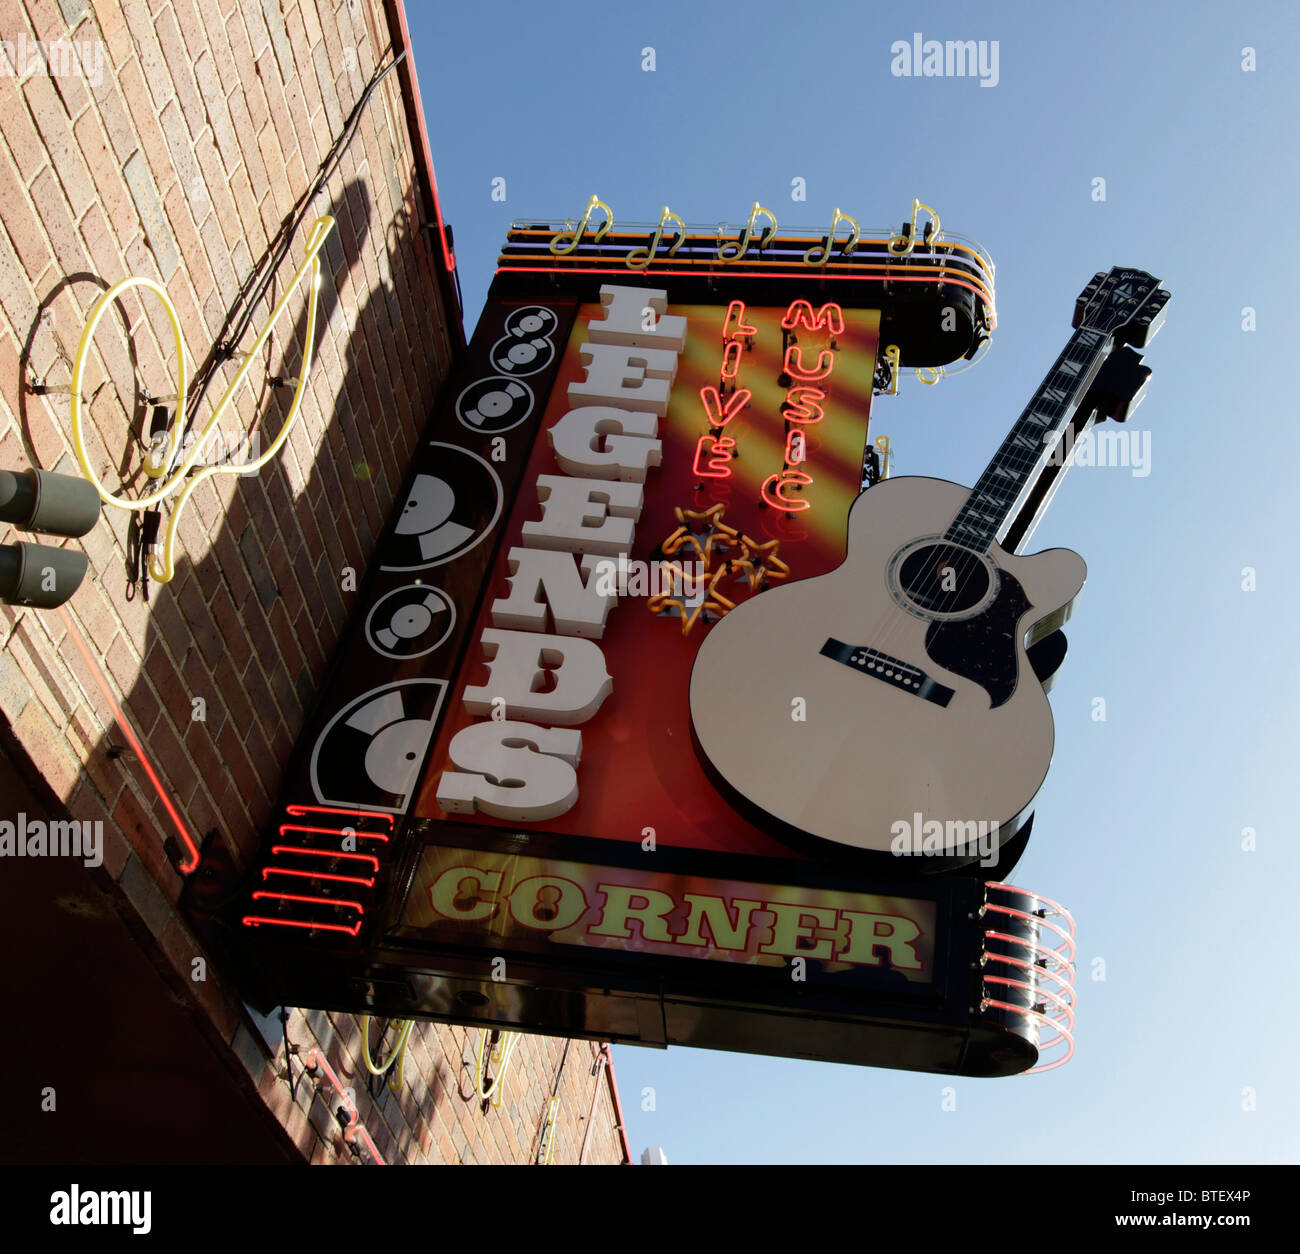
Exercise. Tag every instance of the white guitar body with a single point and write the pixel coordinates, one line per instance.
(846, 749)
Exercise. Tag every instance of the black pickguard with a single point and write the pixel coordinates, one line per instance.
(984, 649)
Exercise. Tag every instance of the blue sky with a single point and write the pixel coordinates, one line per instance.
(1186, 1049)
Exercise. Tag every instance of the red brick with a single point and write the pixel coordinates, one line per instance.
(218, 254)
(26, 145)
(88, 807)
(31, 653)
(223, 54)
(47, 749)
(199, 682)
(262, 697)
(178, 205)
(277, 175)
(222, 187)
(48, 197)
(255, 94)
(123, 664)
(233, 689)
(72, 87)
(179, 60)
(21, 222)
(55, 128)
(231, 742)
(297, 105)
(258, 35)
(249, 150)
(232, 629)
(112, 25)
(199, 740)
(144, 114)
(144, 832)
(102, 246)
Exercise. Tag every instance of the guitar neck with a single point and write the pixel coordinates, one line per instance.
(1010, 476)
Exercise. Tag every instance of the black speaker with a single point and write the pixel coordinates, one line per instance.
(62, 505)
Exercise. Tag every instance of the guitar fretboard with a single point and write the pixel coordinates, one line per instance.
(1029, 443)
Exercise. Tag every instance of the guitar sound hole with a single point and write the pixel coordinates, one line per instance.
(943, 578)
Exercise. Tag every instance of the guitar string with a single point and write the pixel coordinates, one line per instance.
(1085, 345)
(1092, 340)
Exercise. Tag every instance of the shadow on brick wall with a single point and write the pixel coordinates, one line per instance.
(237, 645)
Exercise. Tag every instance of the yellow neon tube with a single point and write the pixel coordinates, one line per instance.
(162, 567)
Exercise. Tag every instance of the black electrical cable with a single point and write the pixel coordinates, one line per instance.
(259, 281)
(555, 1092)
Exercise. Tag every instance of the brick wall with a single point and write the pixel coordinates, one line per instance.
(190, 136)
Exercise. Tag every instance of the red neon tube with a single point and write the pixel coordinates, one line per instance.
(317, 875)
(256, 920)
(326, 853)
(315, 901)
(332, 831)
(355, 1128)
(298, 811)
(189, 865)
(618, 1106)
(884, 275)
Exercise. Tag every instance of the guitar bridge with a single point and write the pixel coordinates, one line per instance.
(888, 670)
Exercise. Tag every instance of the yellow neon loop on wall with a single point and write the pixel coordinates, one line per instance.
(634, 260)
(929, 375)
(162, 566)
(572, 241)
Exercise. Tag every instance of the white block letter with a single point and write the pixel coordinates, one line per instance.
(542, 579)
(626, 377)
(512, 771)
(629, 447)
(553, 679)
(624, 321)
(584, 515)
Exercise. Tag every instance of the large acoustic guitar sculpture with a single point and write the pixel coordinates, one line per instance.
(888, 710)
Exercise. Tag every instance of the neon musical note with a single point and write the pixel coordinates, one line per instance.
(820, 254)
(894, 358)
(572, 241)
(720, 450)
(665, 216)
(718, 414)
(908, 239)
(882, 447)
(734, 250)
(772, 491)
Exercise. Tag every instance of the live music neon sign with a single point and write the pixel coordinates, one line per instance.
(807, 387)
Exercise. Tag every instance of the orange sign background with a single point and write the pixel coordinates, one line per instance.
(638, 769)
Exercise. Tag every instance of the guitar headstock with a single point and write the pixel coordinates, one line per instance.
(1127, 304)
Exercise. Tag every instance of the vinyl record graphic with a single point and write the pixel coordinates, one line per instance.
(453, 502)
(370, 753)
(521, 356)
(494, 404)
(410, 622)
(530, 322)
